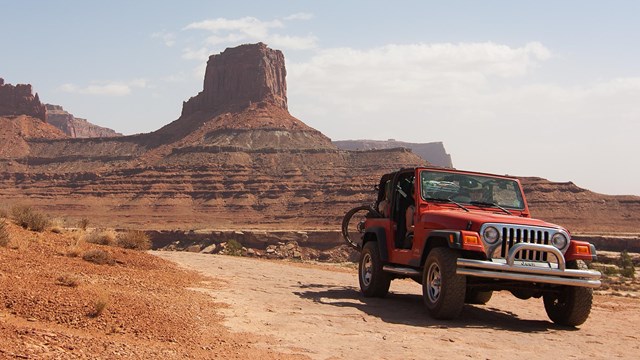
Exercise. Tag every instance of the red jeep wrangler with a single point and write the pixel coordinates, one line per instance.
(465, 235)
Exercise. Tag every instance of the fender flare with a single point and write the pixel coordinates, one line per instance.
(380, 236)
(441, 238)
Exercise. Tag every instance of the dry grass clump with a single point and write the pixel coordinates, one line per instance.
(101, 237)
(75, 247)
(100, 304)
(98, 256)
(68, 280)
(4, 234)
(56, 226)
(29, 219)
(83, 223)
(134, 239)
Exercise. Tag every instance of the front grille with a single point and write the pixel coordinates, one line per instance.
(513, 235)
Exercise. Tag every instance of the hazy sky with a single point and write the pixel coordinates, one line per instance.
(527, 88)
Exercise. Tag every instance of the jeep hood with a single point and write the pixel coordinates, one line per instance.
(458, 218)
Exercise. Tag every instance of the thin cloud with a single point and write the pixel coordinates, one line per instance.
(439, 72)
(457, 82)
(293, 42)
(249, 26)
(231, 32)
(299, 16)
(168, 38)
(105, 88)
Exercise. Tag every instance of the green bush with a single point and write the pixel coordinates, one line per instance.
(626, 265)
(4, 234)
(233, 248)
(29, 219)
(134, 239)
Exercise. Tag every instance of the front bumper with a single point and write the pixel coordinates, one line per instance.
(533, 272)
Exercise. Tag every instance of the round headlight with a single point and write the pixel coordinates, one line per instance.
(559, 240)
(491, 235)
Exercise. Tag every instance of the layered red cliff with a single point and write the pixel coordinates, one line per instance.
(19, 100)
(237, 159)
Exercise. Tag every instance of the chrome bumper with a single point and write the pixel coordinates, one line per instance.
(544, 273)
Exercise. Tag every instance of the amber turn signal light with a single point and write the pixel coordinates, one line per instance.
(470, 239)
(582, 249)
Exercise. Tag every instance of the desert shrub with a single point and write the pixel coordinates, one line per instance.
(101, 237)
(626, 265)
(100, 304)
(75, 246)
(83, 223)
(68, 280)
(74, 251)
(134, 239)
(98, 256)
(4, 234)
(56, 226)
(608, 270)
(29, 219)
(233, 248)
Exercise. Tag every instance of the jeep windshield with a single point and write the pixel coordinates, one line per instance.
(476, 190)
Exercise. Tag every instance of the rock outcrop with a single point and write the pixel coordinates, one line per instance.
(75, 127)
(19, 100)
(239, 77)
(433, 152)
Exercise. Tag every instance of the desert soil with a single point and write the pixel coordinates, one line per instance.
(317, 311)
(55, 304)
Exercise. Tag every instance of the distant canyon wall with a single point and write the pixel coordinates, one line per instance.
(75, 127)
(433, 152)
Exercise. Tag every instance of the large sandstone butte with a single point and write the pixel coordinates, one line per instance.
(237, 159)
(75, 127)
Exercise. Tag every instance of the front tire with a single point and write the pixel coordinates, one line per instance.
(443, 291)
(374, 282)
(572, 305)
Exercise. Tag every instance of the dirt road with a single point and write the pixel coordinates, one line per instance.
(318, 311)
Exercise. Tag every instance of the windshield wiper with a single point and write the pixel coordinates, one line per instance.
(448, 201)
(483, 203)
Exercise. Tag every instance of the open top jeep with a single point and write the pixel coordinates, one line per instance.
(463, 235)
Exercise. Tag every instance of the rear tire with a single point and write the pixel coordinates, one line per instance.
(477, 297)
(374, 282)
(570, 307)
(443, 291)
